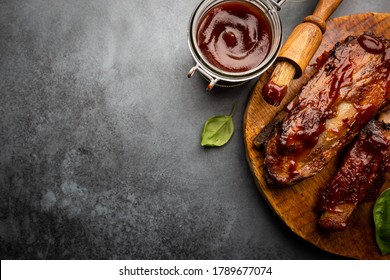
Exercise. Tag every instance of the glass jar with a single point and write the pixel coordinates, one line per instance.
(218, 76)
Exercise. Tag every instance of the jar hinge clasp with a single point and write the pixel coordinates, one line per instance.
(213, 81)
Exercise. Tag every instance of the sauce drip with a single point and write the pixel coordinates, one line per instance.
(234, 36)
(370, 44)
(273, 94)
(307, 117)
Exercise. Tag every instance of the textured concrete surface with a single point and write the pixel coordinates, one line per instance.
(100, 138)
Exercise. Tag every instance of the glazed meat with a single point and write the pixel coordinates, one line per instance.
(350, 86)
(359, 177)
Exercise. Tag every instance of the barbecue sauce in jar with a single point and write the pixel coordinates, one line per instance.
(234, 36)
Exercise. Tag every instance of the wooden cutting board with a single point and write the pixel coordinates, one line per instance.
(294, 205)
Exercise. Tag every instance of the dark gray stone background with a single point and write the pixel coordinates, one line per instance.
(100, 138)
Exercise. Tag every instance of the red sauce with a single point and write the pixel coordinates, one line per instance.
(234, 36)
(371, 44)
(362, 172)
(336, 80)
(273, 94)
(307, 117)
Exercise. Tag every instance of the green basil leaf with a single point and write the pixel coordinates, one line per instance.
(381, 214)
(218, 130)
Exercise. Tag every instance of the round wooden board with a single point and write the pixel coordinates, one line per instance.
(294, 205)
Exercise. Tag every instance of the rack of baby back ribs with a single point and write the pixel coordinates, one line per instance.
(340, 112)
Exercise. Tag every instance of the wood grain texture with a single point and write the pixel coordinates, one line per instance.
(294, 205)
(306, 37)
(300, 46)
(325, 8)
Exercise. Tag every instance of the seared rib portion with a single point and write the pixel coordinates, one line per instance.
(350, 86)
(359, 177)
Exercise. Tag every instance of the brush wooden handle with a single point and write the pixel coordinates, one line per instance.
(298, 50)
